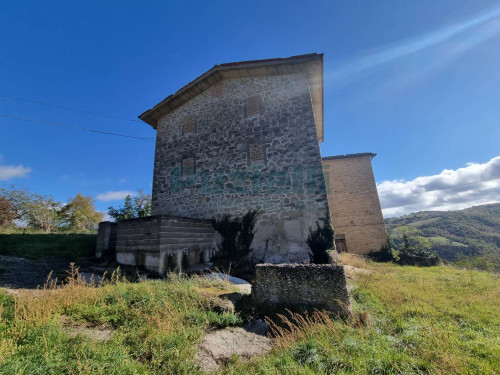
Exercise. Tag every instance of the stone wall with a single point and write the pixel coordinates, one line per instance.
(321, 286)
(354, 204)
(165, 243)
(106, 239)
(247, 143)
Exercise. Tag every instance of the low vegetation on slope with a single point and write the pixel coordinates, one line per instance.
(408, 320)
(470, 237)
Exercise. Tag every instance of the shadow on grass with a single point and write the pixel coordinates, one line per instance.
(37, 246)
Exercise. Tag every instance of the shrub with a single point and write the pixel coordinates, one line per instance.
(417, 253)
(237, 234)
(247, 232)
(320, 240)
(384, 254)
(416, 249)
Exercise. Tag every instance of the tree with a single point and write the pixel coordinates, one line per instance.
(43, 212)
(139, 206)
(142, 204)
(7, 215)
(19, 200)
(411, 242)
(80, 214)
(34, 210)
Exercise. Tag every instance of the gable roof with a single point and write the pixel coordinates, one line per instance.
(312, 64)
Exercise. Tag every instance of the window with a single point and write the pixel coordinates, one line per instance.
(256, 152)
(253, 106)
(188, 166)
(189, 125)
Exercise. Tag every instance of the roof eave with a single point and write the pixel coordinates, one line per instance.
(371, 155)
(223, 71)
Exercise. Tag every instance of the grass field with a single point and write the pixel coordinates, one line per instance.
(438, 240)
(36, 246)
(406, 320)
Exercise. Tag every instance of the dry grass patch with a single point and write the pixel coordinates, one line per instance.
(409, 320)
(113, 327)
(355, 260)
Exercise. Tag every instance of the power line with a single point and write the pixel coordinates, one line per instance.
(68, 108)
(75, 127)
(152, 138)
(468, 183)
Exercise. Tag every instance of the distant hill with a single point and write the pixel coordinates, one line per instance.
(471, 232)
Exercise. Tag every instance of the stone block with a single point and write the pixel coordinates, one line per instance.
(106, 239)
(302, 285)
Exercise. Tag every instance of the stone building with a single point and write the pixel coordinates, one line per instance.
(242, 136)
(354, 203)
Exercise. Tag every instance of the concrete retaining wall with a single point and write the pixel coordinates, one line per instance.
(321, 286)
(106, 239)
(163, 243)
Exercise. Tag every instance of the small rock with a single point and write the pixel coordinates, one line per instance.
(219, 347)
(223, 305)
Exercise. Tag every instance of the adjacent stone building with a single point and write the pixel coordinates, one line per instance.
(243, 136)
(354, 203)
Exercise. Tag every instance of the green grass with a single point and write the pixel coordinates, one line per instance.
(155, 328)
(406, 320)
(439, 240)
(473, 232)
(423, 222)
(36, 246)
(436, 320)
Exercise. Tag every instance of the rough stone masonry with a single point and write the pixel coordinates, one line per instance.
(245, 136)
(321, 286)
(242, 136)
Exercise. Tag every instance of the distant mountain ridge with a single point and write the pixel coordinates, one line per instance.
(471, 232)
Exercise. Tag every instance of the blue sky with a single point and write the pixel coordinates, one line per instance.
(417, 82)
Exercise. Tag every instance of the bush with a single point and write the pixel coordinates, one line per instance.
(417, 249)
(416, 254)
(415, 260)
(320, 240)
(237, 235)
(384, 254)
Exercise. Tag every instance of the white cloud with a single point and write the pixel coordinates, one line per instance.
(8, 172)
(122, 180)
(449, 190)
(115, 195)
(106, 217)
